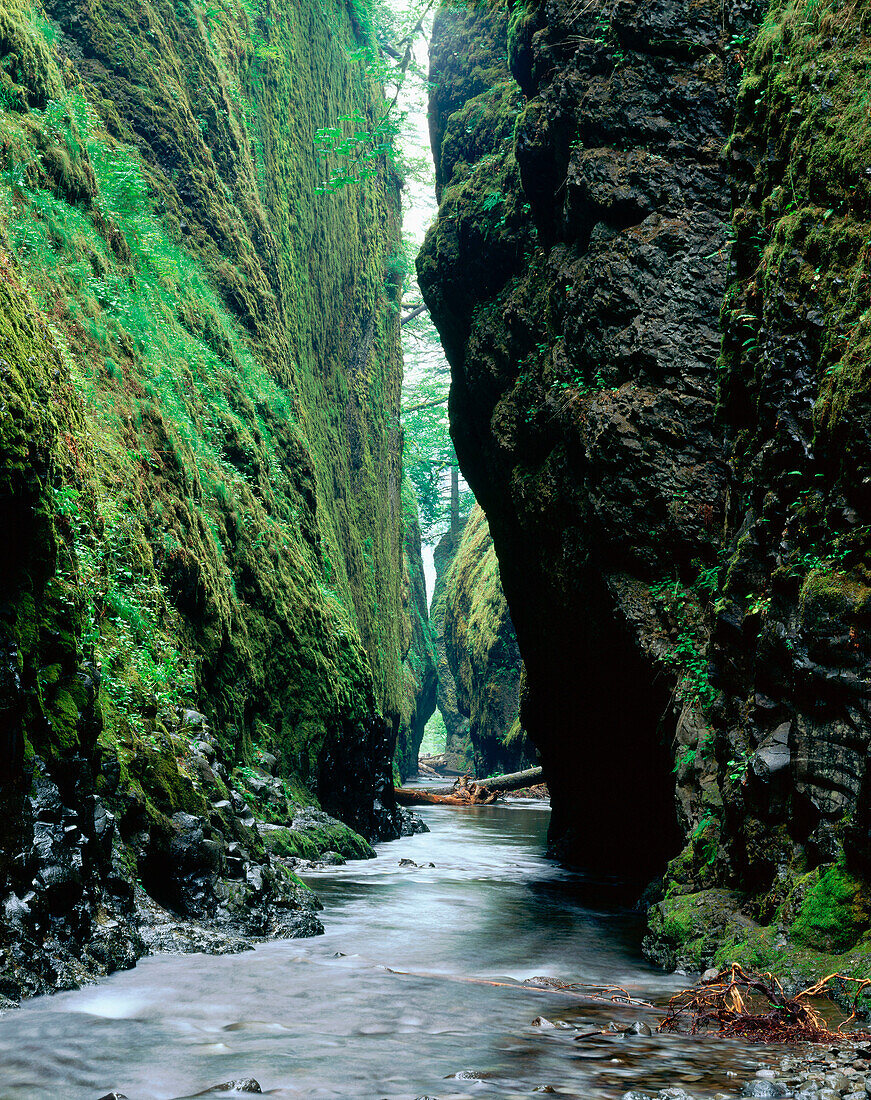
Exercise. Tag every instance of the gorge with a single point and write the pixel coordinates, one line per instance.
(218, 653)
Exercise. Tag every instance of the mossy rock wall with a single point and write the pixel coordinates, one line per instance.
(199, 397)
(456, 723)
(481, 650)
(576, 273)
(417, 645)
(787, 737)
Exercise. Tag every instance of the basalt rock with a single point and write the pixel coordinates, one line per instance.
(788, 737)
(481, 651)
(647, 272)
(576, 273)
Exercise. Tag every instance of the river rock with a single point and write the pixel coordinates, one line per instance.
(410, 824)
(764, 1089)
(242, 1084)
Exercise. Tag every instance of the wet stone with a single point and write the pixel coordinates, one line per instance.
(242, 1084)
(764, 1089)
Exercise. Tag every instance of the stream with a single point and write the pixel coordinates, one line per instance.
(394, 1001)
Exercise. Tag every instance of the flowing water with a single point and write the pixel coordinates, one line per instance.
(414, 990)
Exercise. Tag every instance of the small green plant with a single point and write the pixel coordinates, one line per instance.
(738, 765)
(687, 654)
(704, 842)
(685, 759)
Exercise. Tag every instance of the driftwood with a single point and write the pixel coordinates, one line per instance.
(469, 792)
(736, 1003)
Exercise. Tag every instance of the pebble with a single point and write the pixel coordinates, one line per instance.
(842, 1072)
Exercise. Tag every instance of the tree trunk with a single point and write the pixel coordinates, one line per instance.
(467, 792)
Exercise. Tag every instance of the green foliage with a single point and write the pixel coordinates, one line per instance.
(350, 152)
(705, 839)
(738, 765)
(687, 654)
(353, 148)
(434, 736)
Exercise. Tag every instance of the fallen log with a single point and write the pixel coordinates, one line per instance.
(446, 764)
(469, 792)
(407, 796)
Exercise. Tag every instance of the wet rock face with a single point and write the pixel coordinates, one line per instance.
(576, 274)
(788, 733)
(88, 890)
(456, 723)
(663, 523)
(791, 641)
(481, 652)
(417, 645)
(180, 540)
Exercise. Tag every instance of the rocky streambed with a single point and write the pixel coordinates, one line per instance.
(457, 964)
(841, 1072)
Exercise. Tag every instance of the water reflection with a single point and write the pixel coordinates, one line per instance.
(413, 990)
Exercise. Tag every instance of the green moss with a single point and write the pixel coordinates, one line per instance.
(417, 646)
(685, 929)
(835, 911)
(225, 479)
(168, 789)
(481, 650)
(313, 842)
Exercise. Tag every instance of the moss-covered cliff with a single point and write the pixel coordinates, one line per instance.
(481, 651)
(418, 650)
(199, 450)
(456, 723)
(658, 337)
(787, 739)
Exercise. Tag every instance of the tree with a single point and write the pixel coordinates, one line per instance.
(430, 460)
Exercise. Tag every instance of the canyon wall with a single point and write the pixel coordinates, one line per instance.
(482, 655)
(201, 628)
(418, 650)
(648, 274)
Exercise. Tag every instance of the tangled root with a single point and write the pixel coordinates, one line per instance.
(744, 1004)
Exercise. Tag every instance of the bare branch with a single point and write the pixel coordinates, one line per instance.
(416, 312)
